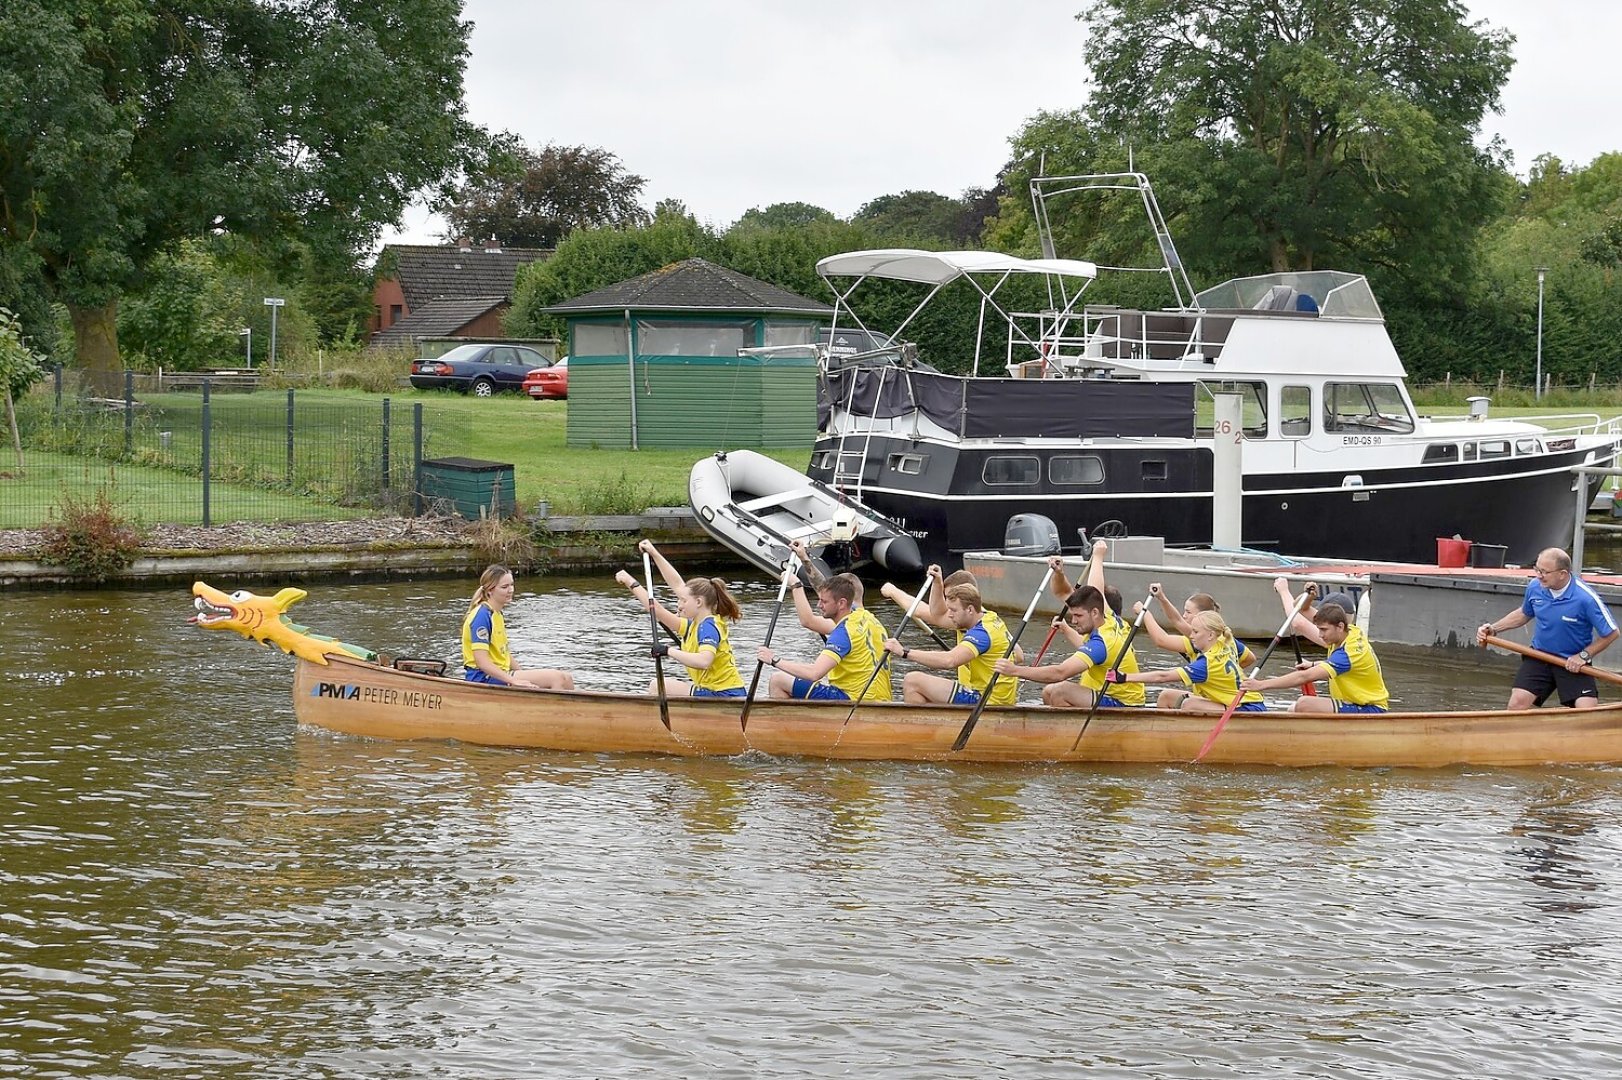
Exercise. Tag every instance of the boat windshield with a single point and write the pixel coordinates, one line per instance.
(1331, 293)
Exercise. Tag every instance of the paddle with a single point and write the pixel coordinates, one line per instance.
(1013, 640)
(885, 659)
(1115, 667)
(1307, 689)
(1054, 629)
(653, 630)
(1240, 696)
(771, 628)
(1551, 658)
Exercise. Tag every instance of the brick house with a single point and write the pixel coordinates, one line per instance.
(449, 291)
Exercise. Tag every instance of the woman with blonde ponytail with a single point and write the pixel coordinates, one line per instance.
(484, 639)
(1212, 677)
(704, 612)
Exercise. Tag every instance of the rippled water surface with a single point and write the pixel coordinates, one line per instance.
(190, 886)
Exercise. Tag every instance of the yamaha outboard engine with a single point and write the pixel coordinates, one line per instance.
(1031, 534)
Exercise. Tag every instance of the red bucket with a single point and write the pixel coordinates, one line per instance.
(1452, 554)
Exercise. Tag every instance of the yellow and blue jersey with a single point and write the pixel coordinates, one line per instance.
(989, 638)
(485, 629)
(857, 644)
(1101, 649)
(1354, 672)
(1214, 675)
(1247, 659)
(710, 633)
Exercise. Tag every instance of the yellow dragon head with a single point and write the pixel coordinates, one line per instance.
(264, 619)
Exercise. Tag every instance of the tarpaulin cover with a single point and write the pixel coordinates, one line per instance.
(982, 408)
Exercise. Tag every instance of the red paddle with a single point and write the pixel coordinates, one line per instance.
(1240, 696)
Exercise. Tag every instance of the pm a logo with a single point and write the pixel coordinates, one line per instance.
(341, 691)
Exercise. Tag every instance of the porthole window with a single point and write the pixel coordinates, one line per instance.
(1006, 470)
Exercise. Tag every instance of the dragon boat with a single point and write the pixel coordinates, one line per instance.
(354, 691)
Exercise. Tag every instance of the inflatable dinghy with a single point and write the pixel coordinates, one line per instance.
(755, 506)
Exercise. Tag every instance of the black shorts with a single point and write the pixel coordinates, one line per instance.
(1541, 678)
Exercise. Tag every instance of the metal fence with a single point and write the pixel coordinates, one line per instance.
(189, 453)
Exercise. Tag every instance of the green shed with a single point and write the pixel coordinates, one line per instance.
(655, 361)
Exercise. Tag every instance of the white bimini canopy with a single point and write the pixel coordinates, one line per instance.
(941, 267)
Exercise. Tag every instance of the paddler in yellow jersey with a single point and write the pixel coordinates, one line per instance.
(853, 649)
(1212, 677)
(1098, 634)
(1355, 682)
(982, 640)
(703, 615)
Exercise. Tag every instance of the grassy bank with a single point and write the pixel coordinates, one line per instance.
(574, 480)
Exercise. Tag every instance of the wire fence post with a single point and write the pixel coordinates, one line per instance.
(385, 448)
(129, 414)
(416, 458)
(207, 428)
(57, 375)
(290, 437)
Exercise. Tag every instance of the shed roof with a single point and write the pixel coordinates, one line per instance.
(693, 285)
(442, 272)
(437, 318)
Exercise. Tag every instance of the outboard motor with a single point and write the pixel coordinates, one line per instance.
(1031, 534)
(898, 554)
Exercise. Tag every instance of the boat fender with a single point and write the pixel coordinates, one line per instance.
(899, 554)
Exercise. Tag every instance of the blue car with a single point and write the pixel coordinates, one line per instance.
(480, 370)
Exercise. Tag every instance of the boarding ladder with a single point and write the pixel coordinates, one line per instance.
(849, 464)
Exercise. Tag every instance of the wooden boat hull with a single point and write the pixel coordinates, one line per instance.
(354, 697)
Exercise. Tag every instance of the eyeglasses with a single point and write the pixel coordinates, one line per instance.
(1542, 572)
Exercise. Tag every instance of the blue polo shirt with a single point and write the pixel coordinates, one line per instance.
(1569, 622)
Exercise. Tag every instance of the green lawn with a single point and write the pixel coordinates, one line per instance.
(147, 495)
(531, 435)
(336, 438)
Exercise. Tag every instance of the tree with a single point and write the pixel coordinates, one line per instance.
(590, 259)
(528, 198)
(1336, 130)
(912, 217)
(129, 125)
(20, 368)
(783, 215)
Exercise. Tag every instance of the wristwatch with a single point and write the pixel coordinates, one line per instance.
(1584, 656)
(905, 652)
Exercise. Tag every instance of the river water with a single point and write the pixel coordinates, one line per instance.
(190, 886)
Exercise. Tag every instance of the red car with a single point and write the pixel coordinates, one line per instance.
(548, 382)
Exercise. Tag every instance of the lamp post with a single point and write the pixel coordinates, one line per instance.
(1537, 392)
(247, 332)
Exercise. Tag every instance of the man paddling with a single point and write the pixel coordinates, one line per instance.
(854, 646)
(982, 638)
(1098, 635)
(1356, 684)
(1572, 622)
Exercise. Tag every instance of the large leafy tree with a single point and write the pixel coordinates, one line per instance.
(1335, 130)
(535, 198)
(129, 125)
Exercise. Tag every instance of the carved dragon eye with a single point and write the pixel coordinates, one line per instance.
(241, 595)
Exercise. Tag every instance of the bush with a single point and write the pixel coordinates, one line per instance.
(617, 496)
(90, 537)
(505, 541)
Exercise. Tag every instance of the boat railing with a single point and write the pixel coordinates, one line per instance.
(1576, 424)
(1103, 337)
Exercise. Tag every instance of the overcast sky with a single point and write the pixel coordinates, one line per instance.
(733, 104)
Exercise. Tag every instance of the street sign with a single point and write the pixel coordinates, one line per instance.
(275, 301)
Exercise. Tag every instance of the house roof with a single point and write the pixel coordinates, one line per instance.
(693, 285)
(437, 318)
(445, 272)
